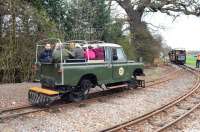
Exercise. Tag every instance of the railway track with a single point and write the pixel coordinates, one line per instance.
(13, 112)
(167, 115)
(27, 109)
(169, 72)
(163, 79)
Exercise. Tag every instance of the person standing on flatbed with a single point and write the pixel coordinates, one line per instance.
(198, 61)
(57, 53)
(77, 51)
(46, 54)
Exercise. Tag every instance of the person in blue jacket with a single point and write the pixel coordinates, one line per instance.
(46, 54)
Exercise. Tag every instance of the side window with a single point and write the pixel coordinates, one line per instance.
(118, 55)
(107, 54)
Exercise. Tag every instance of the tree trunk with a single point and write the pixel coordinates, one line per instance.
(13, 22)
(1, 25)
(136, 27)
(9, 67)
(26, 25)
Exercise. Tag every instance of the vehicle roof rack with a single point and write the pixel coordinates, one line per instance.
(95, 41)
(84, 42)
(77, 41)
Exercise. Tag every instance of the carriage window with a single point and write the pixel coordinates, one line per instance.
(118, 55)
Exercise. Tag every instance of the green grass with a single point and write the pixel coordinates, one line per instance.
(191, 60)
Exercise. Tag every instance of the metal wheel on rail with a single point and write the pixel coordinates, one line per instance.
(82, 91)
(132, 84)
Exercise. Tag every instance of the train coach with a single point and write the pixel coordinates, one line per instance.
(177, 56)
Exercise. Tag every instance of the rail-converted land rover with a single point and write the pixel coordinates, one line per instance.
(72, 78)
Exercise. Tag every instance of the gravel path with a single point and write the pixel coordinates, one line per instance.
(103, 113)
(190, 124)
(16, 94)
(155, 73)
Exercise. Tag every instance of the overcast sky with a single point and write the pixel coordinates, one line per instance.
(184, 32)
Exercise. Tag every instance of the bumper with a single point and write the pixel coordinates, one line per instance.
(44, 91)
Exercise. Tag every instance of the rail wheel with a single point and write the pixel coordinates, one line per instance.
(132, 84)
(82, 91)
(65, 97)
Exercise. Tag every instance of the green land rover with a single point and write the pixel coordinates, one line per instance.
(102, 64)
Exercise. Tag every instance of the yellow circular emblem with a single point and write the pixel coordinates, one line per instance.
(121, 71)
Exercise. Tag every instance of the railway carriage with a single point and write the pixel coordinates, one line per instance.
(177, 56)
(72, 78)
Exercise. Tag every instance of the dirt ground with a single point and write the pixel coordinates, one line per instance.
(97, 115)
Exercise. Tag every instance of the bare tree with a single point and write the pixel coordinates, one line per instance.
(135, 9)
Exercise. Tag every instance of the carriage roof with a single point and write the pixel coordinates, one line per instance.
(179, 49)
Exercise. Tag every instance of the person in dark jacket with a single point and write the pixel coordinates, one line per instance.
(46, 55)
(198, 61)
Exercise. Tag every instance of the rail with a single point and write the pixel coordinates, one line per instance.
(164, 108)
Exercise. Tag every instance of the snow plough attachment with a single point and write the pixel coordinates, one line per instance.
(42, 97)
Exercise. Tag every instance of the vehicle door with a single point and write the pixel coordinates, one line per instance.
(119, 65)
(105, 72)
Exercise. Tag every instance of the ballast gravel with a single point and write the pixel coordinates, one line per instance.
(12, 95)
(189, 124)
(100, 114)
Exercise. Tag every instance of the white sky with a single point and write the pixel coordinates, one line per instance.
(184, 32)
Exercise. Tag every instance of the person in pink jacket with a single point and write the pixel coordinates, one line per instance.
(89, 54)
(99, 52)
